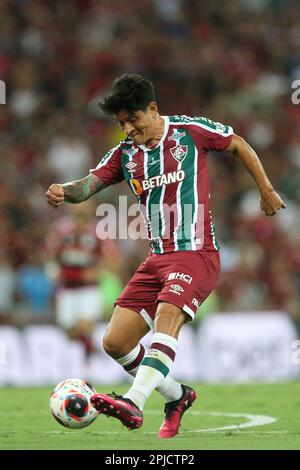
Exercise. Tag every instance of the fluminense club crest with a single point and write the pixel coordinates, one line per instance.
(179, 152)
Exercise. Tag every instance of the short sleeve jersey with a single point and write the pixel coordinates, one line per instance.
(171, 181)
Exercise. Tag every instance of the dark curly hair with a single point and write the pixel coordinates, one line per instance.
(130, 92)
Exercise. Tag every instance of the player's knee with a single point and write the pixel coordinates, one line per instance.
(110, 345)
(114, 346)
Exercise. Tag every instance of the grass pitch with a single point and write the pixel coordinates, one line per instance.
(223, 417)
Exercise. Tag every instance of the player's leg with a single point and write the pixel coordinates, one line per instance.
(175, 407)
(158, 360)
(171, 314)
(124, 332)
(196, 275)
(154, 369)
(136, 308)
(64, 309)
(87, 309)
(122, 338)
(122, 342)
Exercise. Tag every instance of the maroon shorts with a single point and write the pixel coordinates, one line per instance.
(182, 278)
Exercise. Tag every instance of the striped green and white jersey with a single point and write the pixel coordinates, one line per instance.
(171, 181)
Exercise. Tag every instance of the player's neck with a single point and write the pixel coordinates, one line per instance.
(157, 133)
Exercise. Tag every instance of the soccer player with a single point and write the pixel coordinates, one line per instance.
(80, 256)
(164, 160)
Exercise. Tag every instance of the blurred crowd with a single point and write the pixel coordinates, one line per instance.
(233, 62)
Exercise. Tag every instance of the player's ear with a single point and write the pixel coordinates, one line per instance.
(152, 107)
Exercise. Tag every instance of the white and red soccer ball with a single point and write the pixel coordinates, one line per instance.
(70, 403)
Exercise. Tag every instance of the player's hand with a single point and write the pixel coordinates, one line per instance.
(271, 202)
(55, 195)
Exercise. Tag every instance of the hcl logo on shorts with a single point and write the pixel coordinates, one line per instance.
(184, 277)
(156, 181)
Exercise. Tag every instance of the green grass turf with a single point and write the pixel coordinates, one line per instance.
(26, 422)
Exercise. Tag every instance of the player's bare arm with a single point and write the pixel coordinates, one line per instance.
(75, 191)
(270, 202)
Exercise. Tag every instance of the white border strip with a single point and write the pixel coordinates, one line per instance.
(147, 318)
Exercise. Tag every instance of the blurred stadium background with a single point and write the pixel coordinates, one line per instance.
(233, 62)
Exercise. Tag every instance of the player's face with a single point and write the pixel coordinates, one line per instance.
(138, 125)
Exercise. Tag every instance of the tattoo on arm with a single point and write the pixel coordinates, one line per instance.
(81, 190)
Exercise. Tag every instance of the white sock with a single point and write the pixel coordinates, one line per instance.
(153, 369)
(132, 360)
(169, 388)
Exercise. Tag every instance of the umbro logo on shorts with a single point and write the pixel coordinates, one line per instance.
(176, 289)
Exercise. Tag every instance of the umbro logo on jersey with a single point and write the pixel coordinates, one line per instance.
(184, 277)
(131, 166)
(176, 289)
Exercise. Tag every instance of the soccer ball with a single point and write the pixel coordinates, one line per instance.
(70, 403)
